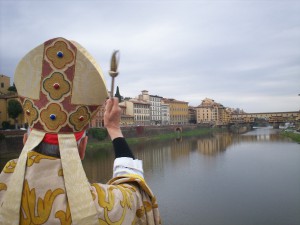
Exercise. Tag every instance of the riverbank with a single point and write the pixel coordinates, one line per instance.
(295, 136)
(196, 132)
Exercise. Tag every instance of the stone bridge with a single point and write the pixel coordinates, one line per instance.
(274, 118)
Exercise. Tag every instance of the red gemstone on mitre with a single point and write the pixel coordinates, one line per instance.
(27, 112)
(56, 86)
(81, 118)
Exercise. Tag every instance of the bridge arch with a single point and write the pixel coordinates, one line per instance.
(178, 129)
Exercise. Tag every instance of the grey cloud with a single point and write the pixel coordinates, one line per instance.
(241, 53)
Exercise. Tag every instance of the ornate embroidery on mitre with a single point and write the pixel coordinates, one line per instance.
(53, 117)
(61, 83)
(80, 118)
(31, 113)
(60, 55)
(56, 86)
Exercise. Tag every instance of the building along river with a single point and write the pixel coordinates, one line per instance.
(218, 179)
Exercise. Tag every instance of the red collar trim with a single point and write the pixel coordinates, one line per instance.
(53, 138)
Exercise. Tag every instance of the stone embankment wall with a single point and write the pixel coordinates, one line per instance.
(11, 140)
(145, 131)
(128, 132)
(11, 144)
(10, 133)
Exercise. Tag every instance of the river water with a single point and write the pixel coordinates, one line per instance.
(220, 179)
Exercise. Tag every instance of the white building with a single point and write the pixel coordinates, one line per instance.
(155, 110)
(165, 114)
(155, 106)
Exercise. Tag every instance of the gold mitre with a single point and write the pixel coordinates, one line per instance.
(60, 86)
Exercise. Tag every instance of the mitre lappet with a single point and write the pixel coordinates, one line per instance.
(61, 87)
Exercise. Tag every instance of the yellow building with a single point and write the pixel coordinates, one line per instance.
(4, 84)
(138, 109)
(126, 120)
(98, 119)
(179, 113)
(211, 112)
(5, 97)
(227, 115)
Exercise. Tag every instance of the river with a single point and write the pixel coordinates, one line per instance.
(220, 179)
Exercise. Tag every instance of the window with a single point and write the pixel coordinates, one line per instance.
(2, 84)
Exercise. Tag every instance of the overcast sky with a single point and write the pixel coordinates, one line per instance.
(243, 54)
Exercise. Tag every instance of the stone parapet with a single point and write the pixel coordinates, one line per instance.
(8, 133)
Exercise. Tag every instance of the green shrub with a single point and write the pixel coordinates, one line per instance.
(98, 133)
(6, 125)
(2, 136)
(294, 136)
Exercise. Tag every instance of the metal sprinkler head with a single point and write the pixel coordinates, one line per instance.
(114, 63)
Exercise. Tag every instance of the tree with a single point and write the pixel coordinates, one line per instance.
(14, 110)
(12, 88)
(118, 95)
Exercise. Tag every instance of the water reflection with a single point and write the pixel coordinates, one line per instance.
(157, 154)
(98, 163)
(266, 134)
(216, 144)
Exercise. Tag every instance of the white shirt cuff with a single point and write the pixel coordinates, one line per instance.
(126, 165)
